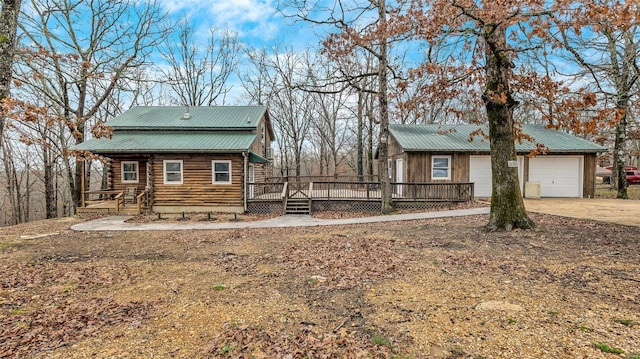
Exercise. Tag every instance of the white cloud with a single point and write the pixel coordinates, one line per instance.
(249, 18)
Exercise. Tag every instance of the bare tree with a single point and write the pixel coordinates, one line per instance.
(359, 26)
(614, 71)
(331, 123)
(197, 72)
(8, 29)
(78, 52)
(290, 108)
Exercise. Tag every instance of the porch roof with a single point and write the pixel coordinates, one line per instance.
(132, 142)
(256, 158)
(455, 138)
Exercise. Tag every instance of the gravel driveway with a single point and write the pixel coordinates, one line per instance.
(617, 211)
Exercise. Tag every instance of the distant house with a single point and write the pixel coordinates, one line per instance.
(187, 159)
(435, 153)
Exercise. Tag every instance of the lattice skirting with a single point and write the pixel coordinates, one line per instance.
(264, 207)
(424, 204)
(345, 206)
(348, 206)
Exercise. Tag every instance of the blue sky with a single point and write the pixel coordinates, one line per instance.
(257, 22)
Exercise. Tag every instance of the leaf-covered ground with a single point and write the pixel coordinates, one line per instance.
(439, 288)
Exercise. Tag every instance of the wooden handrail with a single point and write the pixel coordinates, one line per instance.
(119, 200)
(139, 200)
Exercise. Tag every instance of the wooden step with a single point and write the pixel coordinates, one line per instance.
(298, 206)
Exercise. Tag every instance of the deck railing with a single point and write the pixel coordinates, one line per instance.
(331, 190)
(433, 191)
(453, 192)
(308, 179)
(266, 191)
(347, 190)
(113, 200)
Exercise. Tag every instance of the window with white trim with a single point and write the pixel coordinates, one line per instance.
(221, 172)
(440, 167)
(390, 169)
(172, 171)
(129, 170)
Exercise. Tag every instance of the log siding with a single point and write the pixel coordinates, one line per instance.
(197, 188)
(116, 173)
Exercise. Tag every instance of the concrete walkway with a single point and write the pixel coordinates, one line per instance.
(117, 223)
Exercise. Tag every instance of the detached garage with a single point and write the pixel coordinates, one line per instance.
(435, 153)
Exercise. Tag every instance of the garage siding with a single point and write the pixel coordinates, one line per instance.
(579, 183)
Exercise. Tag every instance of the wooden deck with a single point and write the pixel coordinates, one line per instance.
(368, 191)
(110, 201)
(272, 197)
(109, 207)
(354, 196)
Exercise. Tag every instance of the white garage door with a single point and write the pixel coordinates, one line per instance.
(480, 174)
(559, 176)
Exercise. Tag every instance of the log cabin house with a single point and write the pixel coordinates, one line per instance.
(185, 159)
(441, 153)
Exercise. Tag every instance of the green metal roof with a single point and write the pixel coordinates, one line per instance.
(170, 142)
(256, 158)
(200, 118)
(455, 138)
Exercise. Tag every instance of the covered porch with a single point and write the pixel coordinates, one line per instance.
(128, 201)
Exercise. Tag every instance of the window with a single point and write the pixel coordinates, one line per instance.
(172, 171)
(440, 167)
(129, 171)
(221, 171)
(390, 169)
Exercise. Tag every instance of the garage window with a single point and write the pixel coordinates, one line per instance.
(440, 167)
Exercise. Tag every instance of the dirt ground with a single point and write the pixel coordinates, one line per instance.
(441, 288)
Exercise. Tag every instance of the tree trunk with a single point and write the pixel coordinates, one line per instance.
(383, 148)
(8, 29)
(370, 154)
(507, 206)
(12, 186)
(360, 134)
(619, 155)
(51, 210)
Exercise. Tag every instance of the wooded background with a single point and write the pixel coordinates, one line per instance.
(572, 65)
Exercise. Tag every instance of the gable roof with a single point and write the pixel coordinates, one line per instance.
(164, 129)
(455, 138)
(200, 118)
